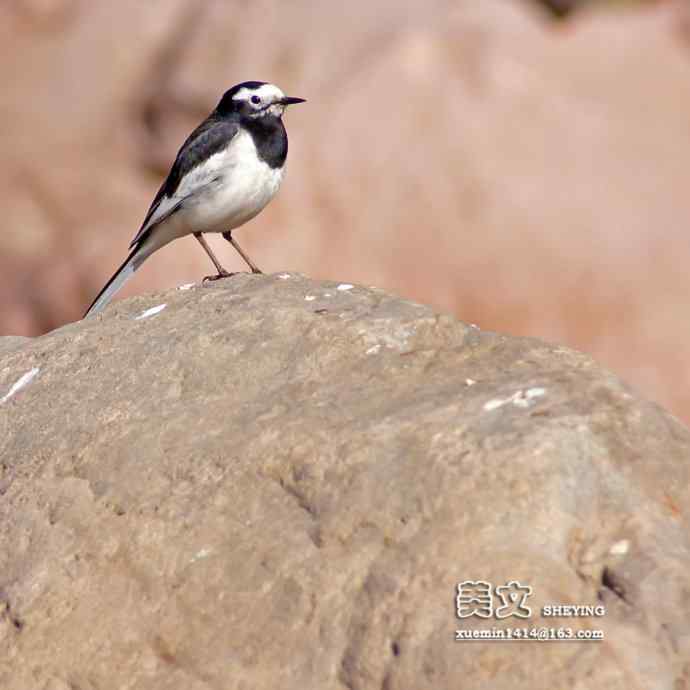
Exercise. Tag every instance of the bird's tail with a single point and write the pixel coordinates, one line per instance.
(136, 257)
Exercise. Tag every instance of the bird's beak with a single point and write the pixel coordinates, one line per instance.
(291, 100)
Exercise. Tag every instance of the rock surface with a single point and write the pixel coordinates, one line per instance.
(278, 483)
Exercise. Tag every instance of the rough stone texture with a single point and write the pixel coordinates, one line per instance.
(277, 483)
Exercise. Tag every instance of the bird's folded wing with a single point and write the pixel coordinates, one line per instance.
(210, 137)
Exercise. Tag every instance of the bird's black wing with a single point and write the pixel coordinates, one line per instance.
(210, 137)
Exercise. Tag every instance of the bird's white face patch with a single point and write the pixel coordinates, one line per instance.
(264, 101)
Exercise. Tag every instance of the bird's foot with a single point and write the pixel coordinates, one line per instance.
(221, 274)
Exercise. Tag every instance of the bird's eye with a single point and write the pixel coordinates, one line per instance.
(256, 100)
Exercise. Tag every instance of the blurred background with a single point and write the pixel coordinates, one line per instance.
(523, 164)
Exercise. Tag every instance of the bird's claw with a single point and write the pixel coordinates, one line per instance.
(219, 275)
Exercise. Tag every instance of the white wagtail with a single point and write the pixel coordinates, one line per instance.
(229, 168)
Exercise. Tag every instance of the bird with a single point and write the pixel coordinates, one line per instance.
(225, 173)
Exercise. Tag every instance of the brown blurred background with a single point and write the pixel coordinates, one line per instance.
(523, 164)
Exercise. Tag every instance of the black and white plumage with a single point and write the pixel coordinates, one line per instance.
(226, 172)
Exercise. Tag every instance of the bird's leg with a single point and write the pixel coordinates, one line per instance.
(228, 236)
(222, 273)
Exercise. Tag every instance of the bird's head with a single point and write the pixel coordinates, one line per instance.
(255, 99)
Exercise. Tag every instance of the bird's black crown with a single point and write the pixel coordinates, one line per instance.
(227, 105)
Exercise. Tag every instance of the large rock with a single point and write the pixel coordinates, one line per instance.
(278, 483)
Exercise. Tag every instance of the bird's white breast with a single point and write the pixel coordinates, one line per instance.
(228, 189)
